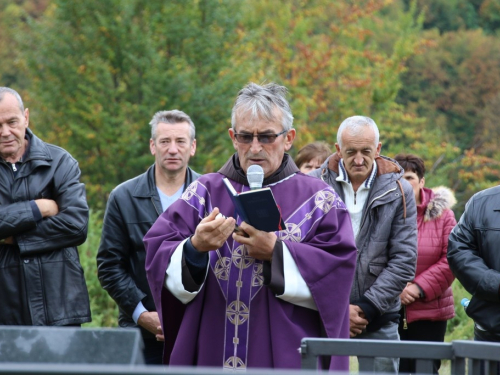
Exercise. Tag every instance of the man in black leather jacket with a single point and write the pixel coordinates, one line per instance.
(475, 261)
(132, 208)
(43, 217)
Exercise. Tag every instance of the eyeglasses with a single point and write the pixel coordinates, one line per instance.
(262, 138)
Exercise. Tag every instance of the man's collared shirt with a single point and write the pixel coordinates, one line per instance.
(355, 201)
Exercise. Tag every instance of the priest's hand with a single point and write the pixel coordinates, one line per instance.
(212, 232)
(259, 244)
(357, 321)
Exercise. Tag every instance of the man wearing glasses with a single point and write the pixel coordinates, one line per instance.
(238, 302)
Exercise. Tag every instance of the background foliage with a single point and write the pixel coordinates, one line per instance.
(93, 74)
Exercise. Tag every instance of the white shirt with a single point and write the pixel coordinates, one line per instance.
(355, 200)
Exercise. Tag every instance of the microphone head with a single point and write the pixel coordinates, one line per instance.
(255, 176)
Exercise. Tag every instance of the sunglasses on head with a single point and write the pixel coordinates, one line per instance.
(262, 138)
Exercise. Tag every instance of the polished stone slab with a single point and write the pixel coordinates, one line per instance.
(27, 344)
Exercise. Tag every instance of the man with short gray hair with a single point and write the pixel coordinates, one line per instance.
(44, 217)
(132, 208)
(382, 207)
(251, 295)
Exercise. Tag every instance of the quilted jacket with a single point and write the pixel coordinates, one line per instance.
(435, 221)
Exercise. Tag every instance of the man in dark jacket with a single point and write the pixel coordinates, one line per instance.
(383, 212)
(43, 217)
(132, 209)
(474, 259)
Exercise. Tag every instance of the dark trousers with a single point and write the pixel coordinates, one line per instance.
(480, 335)
(421, 330)
(153, 351)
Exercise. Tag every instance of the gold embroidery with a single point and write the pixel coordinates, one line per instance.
(221, 268)
(241, 259)
(324, 200)
(292, 233)
(234, 363)
(237, 313)
(257, 278)
(190, 191)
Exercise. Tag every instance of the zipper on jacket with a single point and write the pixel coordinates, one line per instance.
(373, 200)
(405, 322)
(14, 167)
(154, 205)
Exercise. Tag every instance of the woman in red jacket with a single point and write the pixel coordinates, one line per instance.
(427, 302)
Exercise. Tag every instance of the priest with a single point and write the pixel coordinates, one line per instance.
(245, 298)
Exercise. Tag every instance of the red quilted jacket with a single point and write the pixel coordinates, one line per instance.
(435, 222)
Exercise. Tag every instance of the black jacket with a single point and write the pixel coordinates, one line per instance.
(132, 209)
(41, 278)
(474, 257)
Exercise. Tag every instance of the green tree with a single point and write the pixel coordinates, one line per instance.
(455, 86)
(104, 309)
(449, 15)
(13, 22)
(100, 70)
(333, 60)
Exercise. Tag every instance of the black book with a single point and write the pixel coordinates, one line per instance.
(257, 208)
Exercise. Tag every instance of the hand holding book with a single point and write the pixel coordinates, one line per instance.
(257, 208)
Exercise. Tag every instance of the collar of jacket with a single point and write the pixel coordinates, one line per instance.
(233, 170)
(435, 201)
(38, 155)
(146, 187)
(38, 150)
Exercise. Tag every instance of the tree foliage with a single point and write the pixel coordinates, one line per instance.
(455, 15)
(333, 59)
(455, 87)
(100, 70)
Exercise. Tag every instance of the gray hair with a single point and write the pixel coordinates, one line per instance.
(261, 101)
(356, 124)
(4, 90)
(171, 117)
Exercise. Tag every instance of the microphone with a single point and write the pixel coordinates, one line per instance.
(255, 176)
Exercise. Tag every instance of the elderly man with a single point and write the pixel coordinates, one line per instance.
(382, 207)
(132, 208)
(44, 216)
(250, 300)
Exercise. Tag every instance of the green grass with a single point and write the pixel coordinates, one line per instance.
(103, 308)
(461, 327)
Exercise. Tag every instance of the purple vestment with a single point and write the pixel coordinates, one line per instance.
(236, 321)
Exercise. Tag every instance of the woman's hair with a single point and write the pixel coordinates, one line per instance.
(311, 151)
(411, 163)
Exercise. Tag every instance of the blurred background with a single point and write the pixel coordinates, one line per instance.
(94, 72)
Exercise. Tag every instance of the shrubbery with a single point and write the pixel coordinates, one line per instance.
(104, 309)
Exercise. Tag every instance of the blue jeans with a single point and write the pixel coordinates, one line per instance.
(381, 364)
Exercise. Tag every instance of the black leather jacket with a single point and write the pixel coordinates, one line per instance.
(474, 257)
(41, 278)
(132, 209)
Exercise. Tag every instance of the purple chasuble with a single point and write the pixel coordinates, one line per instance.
(236, 321)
